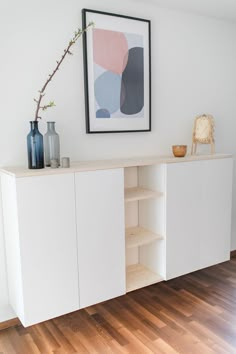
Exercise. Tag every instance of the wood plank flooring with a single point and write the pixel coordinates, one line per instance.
(193, 314)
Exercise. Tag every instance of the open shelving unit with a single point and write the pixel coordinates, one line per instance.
(144, 232)
(138, 276)
(139, 193)
(138, 236)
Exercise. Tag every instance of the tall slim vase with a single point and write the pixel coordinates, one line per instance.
(51, 144)
(35, 147)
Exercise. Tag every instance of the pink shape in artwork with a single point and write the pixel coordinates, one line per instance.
(110, 50)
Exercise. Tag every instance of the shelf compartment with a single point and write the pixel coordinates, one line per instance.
(139, 193)
(138, 276)
(138, 236)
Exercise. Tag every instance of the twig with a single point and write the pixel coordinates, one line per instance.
(77, 35)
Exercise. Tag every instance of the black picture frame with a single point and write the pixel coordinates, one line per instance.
(105, 84)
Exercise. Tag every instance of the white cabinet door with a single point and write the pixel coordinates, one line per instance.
(183, 227)
(198, 215)
(45, 246)
(216, 212)
(101, 239)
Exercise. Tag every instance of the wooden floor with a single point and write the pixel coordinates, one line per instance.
(195, 313)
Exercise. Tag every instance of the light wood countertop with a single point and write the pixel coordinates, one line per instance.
(80, 166)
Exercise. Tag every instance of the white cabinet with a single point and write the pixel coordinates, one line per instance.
(65, 232)
(65, 241)
(40, 234)
(198, 213)
(216, 212)
(101, 239)
(183, 222)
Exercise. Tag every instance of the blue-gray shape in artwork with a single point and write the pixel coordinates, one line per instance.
(107, 89)
(103, 113)
(132, 88)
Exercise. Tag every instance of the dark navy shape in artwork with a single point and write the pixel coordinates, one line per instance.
(132, 87)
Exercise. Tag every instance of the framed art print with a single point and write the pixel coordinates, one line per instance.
(117, 73)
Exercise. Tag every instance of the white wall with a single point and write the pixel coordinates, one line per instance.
(193, 71)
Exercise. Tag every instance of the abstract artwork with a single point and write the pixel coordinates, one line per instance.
(117, 73)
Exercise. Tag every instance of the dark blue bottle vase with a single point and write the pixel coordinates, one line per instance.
(35, 147)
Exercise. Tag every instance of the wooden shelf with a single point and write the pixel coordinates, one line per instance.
(138, 193)
(138, 236)
(138, 276)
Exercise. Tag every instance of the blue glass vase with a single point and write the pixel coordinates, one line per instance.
(35, 147)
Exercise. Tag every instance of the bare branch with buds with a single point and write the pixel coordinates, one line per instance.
(39, 107)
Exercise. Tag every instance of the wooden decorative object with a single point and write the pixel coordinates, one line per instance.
(203, 132)
(179, 150)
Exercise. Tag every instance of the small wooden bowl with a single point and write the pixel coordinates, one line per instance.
(179, 150)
